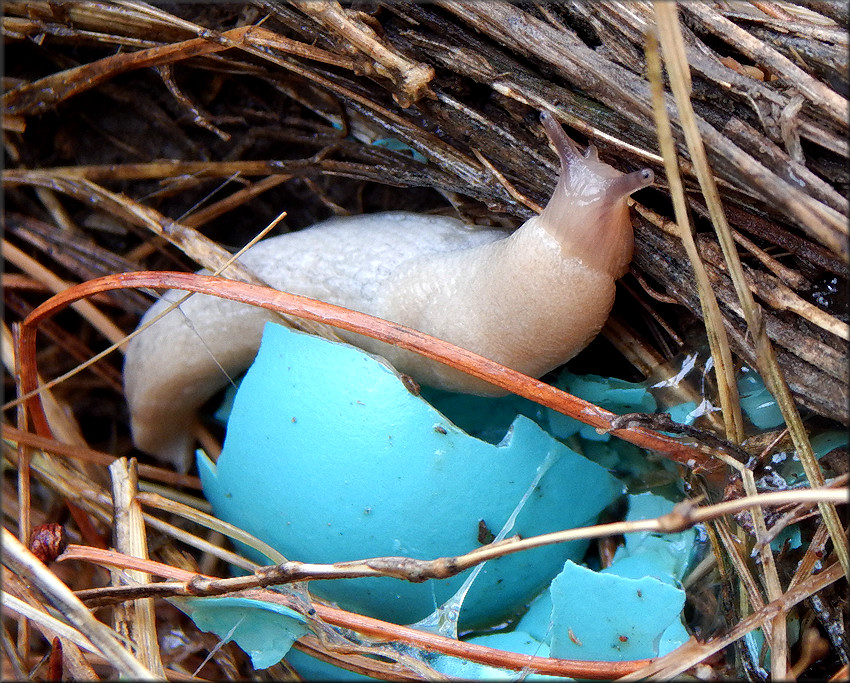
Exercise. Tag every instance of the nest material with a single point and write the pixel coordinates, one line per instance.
(296, 111)
(472, 78)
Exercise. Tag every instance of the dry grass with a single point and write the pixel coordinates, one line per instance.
(140, 138)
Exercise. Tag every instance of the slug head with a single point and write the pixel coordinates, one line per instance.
(588, 213)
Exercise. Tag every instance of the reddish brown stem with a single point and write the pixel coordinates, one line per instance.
(380, 629)
(353, 321)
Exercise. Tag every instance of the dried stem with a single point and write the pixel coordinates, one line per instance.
(136, 619)
(766, 359)
(725, 370)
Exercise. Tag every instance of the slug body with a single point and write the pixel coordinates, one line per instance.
(530, 300)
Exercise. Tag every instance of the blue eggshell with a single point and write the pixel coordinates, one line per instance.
(616, 395)
(600, 616)
(631, 610)
(650, 553)
(264, 630)
(329, 457)
(757, 402)
(514, 641)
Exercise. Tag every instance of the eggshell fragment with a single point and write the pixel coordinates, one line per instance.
(329, 457)
(632, 609)
(264, 630)
(629, 624)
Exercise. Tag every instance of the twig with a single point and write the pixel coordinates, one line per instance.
(36, 98)
(361, 323)
(199, 517)
(411, 79)
(684, 516)
(88, 455)
(29, 265)
(379, 629)
(47, 621)
(827, 101)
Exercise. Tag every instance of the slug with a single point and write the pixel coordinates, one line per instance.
(530, 299)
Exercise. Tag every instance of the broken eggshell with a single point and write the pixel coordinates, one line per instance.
(329, 457)
(630, 610)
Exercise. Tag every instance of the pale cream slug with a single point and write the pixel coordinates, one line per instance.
(530, 300)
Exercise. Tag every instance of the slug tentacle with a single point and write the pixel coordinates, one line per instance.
(631, 182)
(566, 148)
